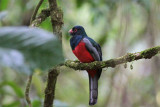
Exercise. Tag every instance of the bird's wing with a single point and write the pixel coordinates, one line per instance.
(97, 46)
(93, 48)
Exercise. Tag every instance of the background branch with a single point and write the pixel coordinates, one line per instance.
(36, 10)
(41, 17)
(27, 91)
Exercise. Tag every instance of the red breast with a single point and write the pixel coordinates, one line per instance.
(84, 56)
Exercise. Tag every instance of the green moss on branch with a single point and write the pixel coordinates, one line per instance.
(41, 17)
(129, 57)
(50, 88)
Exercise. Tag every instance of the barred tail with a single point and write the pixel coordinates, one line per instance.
(93, 86)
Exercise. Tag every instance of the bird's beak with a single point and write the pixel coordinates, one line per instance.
(70, 31)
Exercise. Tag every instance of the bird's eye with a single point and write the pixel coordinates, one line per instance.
(75, 30)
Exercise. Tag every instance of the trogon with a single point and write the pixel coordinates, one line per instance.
(87, 50)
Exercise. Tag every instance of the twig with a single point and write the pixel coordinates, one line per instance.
(36, 10)
(41, 17)
(27, 91)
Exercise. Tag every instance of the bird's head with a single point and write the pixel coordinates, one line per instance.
(77, 30)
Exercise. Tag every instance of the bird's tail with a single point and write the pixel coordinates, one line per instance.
(93, 86)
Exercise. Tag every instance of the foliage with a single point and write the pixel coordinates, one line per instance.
(35, 48)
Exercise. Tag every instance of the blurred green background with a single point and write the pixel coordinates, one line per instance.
(119, 26)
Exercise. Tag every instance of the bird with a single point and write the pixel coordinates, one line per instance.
(87, 50)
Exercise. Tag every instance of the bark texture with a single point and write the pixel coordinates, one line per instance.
(40, 18)
(129, 57)
(56, 18)
(50, 89)
(57, 22)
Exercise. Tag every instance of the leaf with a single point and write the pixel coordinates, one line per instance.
(18, 91)
(46, 25)
(12, 104)
(36, 103)
(3, 4)
(125, 65)
(29, 48)
(3, 14)
(14, 59)
(131, 66)
(38, 83)
(79, 3)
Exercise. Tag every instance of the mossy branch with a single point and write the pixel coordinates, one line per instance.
(36, 10)
(57, 22)
(34, 23)
(27, 91)
(129, 57)
(56, 18)
(40, 18)
(50, 88)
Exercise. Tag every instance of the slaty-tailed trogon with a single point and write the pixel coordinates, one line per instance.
(87, 50)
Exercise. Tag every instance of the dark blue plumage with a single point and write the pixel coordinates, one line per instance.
(74, 41)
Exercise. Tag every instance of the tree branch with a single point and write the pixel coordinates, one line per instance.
(37, 21)
(50, 89)
(129, 57)
(36, 10)
(57, 22)
(56, 18)
(27, 90)
(41, 17)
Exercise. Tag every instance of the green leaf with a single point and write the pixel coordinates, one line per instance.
(36, 103)
(18, 91)
(47, 25)
(3, 4)
(79, 3)
(24, 48)
(38, 83)
(3, 14)
(12, 104)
